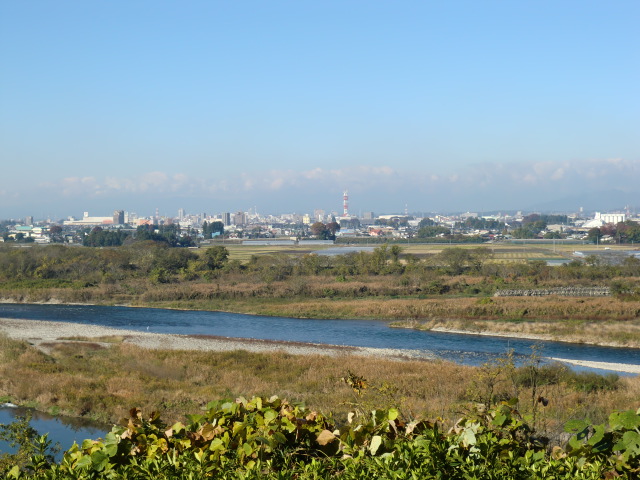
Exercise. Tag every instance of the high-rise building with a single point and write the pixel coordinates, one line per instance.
(240, 218)
(118, 217)
(181, 213)
(28, 220)
(226, 219)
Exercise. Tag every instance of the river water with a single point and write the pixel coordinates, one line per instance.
(460, 348)
(61, 430)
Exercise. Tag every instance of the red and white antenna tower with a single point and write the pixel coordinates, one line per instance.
(345, 203)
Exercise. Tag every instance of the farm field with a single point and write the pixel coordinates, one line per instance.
(501, 252)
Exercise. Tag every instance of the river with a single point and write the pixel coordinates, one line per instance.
(460, 348)
(61, 430)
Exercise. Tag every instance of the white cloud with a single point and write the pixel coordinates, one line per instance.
(558, 174)
(313, 174)
(72, 186)
(153, 180)
(276, 184)
(540, 168)
(507, 182)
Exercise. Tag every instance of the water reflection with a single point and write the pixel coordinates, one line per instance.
(62, 430)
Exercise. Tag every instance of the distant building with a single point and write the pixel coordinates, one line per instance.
(226, 219)
(614, 218)
(601, 219)
(28, 220)
(88, 221)
(393, 217)
(118, 217)
(240, 218)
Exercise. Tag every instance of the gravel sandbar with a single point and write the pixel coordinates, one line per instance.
(616, 367)
(42, 334)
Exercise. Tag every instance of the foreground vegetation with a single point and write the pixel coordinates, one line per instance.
(504, 408)
(87, 379)
(271, 438)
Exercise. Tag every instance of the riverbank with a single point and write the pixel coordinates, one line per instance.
(589, 332)
(445, 314)
(100, 373)
(592, 321)
(45, 335)
(49, 335)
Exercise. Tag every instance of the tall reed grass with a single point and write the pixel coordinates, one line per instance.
(83, 379)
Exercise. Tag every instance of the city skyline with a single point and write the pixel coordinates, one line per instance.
(128, 216)
(214, 106)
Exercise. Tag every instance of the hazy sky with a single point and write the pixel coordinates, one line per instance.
(220, 106)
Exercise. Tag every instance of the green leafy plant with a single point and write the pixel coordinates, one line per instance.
(270, 438)
(616, 444)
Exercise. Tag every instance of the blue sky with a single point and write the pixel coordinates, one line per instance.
(220, 106)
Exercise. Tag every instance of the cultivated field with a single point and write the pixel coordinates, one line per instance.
(501, 252)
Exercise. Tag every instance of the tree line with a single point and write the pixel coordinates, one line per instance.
(157, 261)
(171, 235)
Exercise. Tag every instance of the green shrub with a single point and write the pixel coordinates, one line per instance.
(272, 439)
(592, 382)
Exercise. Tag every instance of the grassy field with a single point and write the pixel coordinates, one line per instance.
(502, 252)
(85, 379)
(243, 253)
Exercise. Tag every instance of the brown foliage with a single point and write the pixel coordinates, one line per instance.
(103, 384)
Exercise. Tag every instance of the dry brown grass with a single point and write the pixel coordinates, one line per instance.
(104, 384)
(359, 300)
(105, 339)
(592, 332)
(568, 309)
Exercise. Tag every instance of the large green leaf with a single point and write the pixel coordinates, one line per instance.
(627, 420)
(376, 441)
(499, 420)
(393, 413)
(247, 448)
(575, 426)
(629, 443)
(99, 460)
(270, 415)
(217, 444)
(84, 462)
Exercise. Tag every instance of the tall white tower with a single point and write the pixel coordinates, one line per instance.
(345, 203)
